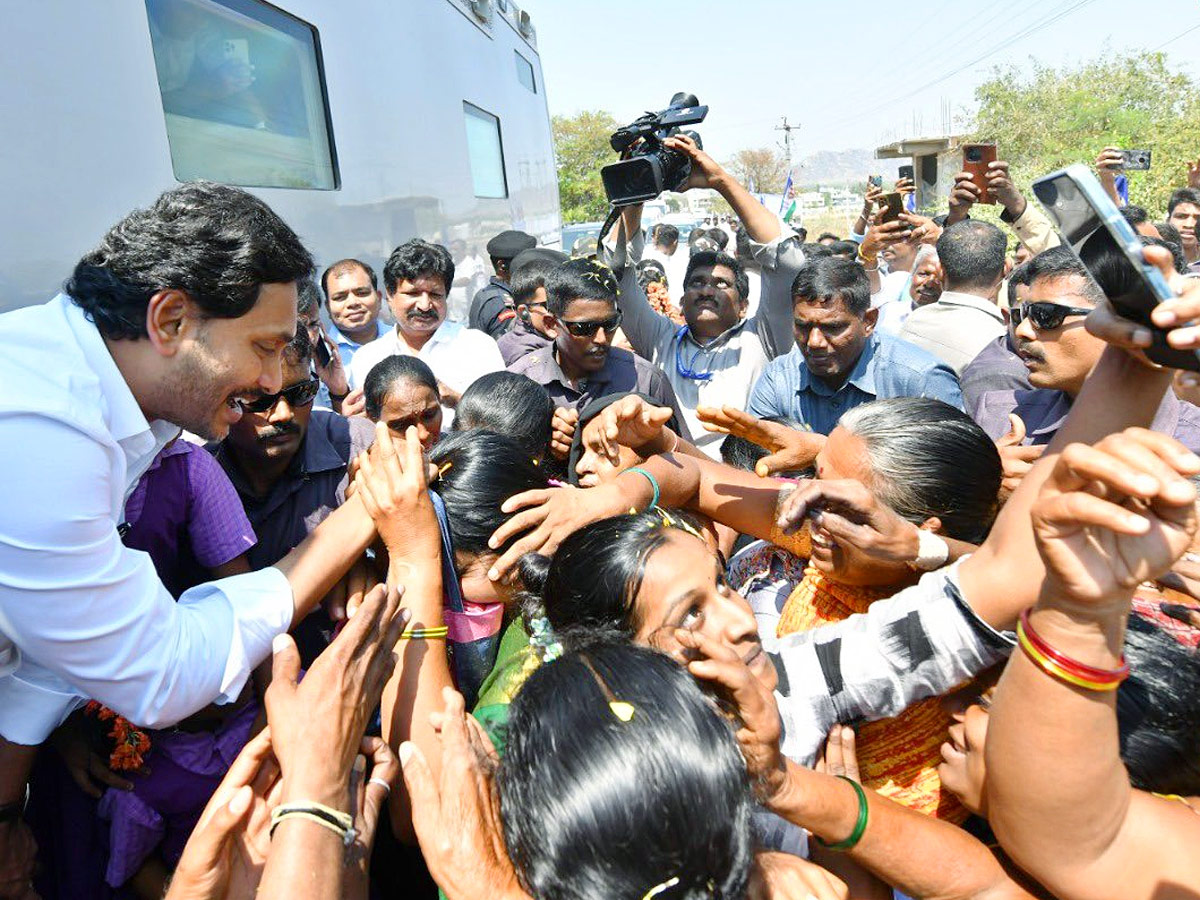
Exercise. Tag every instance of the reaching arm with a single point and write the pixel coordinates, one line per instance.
(645, 327)
(1108, 517)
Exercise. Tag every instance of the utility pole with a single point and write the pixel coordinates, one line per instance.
(787, 137)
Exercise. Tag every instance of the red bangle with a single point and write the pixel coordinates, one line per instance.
(1062, 666)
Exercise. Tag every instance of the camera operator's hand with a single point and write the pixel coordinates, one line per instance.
(963, 196)
(706, 171)
(1000, 185)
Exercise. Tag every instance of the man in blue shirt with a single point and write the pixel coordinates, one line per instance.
(840, 361)
(352, 294)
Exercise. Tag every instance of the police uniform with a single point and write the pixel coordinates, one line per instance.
(492, 309)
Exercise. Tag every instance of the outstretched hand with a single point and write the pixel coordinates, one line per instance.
(629, 422)
(1113, 515)
(791, 450)
(706, 171)
(457, 816)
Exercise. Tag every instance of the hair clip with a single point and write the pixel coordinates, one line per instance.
(660, 888)
(622, 710)
(443, 469)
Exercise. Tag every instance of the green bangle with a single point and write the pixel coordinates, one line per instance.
(653, 483)
(859, 827)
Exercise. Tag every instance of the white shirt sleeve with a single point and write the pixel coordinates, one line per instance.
(79, 604)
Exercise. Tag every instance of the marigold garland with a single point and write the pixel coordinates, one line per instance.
(131, 744)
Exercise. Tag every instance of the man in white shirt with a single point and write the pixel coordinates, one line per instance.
(417, 280)
(179, 315)
(965, 318)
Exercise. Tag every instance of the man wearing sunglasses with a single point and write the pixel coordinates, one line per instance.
(288, 463)
(1058, 352)
(582, 364)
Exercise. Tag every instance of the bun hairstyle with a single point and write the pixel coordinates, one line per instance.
(620, 779)
(589, 587)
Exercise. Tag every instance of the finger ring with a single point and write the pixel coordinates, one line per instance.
(383, 784)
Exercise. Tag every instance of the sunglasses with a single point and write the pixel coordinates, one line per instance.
(298, 395)
(589, 329)
(1045, 316)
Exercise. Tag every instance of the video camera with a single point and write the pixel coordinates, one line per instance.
(652, 168)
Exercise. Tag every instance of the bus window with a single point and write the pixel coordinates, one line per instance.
(525, 72)
(243, 94)
(486, 152)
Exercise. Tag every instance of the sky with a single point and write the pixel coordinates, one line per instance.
(831, 66)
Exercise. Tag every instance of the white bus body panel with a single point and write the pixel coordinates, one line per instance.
(86, 138)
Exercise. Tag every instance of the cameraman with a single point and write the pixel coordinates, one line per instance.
(715, 358)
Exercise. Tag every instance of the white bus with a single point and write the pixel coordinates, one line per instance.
(362, 122)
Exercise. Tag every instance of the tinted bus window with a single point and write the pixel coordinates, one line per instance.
(525, 72)
(243, 94)
(486, 152)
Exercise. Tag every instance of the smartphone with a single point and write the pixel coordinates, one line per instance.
(324, 352)
(976, 159)
(893, 205)
(1136, 160)
(907, 172)
(875, 181)
(1091, 225)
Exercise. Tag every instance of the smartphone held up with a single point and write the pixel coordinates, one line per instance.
(976, 160)
(1090, 224)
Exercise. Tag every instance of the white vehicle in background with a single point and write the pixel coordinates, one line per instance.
(364, 123)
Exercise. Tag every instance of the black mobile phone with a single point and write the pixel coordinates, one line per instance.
(1136, 160)
(892, 206)
(907, 172)
(324, 352)
(1091, 225)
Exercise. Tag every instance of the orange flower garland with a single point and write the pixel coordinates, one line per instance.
(130, 743)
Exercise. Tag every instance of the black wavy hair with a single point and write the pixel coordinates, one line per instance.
(479, 471)
(595, 806)
(418, 259)
(509, 404)
(972, 254)
(220, 244)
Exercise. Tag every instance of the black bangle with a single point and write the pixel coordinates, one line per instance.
(338, 398)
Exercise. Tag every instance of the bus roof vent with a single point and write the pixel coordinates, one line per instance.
(482, 9)
(525, 24)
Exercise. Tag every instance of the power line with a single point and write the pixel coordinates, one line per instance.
(1174, 39)
(1054, 16)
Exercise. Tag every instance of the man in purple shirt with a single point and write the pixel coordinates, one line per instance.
(529, 271)
(1058, 353)
(288, 463)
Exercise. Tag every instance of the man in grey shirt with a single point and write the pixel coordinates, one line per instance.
(966, 318)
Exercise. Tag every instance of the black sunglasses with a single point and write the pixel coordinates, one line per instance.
(1045, 316)
(589, 329)
(298, 395)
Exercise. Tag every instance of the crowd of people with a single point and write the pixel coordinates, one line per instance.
(727, 566)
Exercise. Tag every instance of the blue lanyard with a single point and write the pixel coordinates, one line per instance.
(684, 369)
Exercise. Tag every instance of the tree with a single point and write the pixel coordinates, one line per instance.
(1044, 118)
(763, 169)
(581, 148)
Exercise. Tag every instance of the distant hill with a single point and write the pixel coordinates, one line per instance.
(832, 167)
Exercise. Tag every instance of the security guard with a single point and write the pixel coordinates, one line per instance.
(493, 310)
